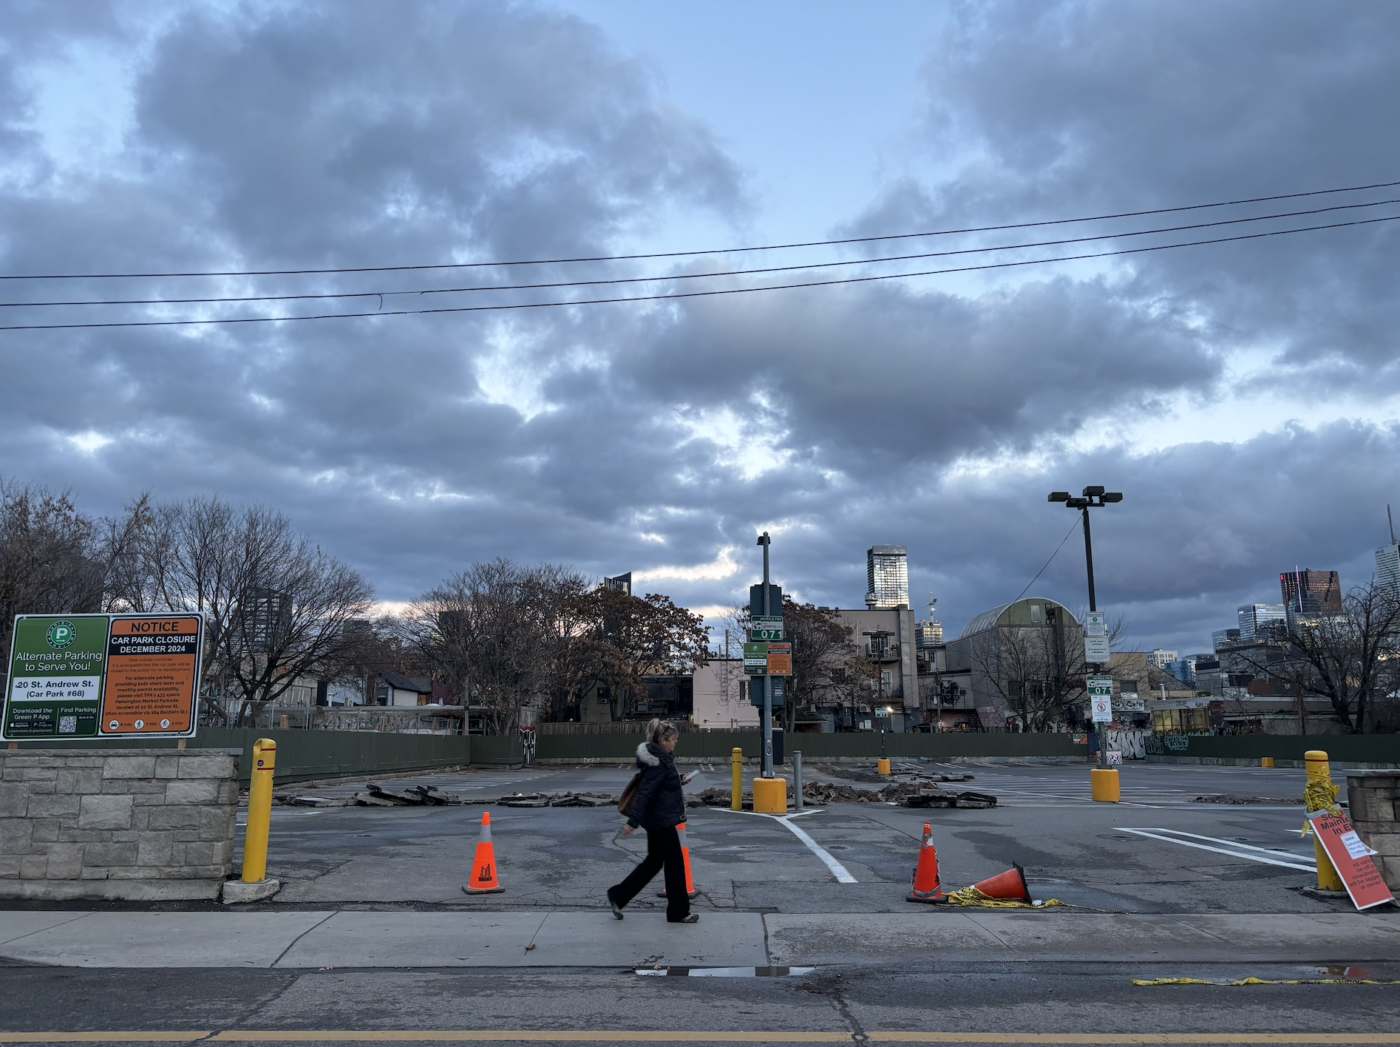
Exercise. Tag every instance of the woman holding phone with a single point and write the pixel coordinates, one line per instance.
(658, 808)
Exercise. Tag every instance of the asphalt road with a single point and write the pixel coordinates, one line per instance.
(1157, 852)
(1015, 1003)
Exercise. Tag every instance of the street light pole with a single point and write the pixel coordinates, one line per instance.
(767, 762)
(1094, 497)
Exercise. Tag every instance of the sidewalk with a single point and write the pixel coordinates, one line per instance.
(332, 938)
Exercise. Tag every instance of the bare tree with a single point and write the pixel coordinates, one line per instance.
(277, 607)
(1038, 671)
(50, 560)
(826, 660)
(621, 638)
(1349, 657)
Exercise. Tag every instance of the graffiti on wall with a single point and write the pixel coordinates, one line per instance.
(1131, 743)
(1162, 744)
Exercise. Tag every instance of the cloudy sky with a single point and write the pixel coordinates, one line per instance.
(1242, 395)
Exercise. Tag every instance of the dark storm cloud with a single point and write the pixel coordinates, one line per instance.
(353, 134)
(1090, 108)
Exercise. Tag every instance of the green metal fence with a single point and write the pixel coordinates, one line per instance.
(1340, 748)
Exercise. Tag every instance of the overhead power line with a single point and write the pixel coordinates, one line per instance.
(558, 284)
(693, 254)
(698, 294)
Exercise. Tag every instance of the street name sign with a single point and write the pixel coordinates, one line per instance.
(780, 659)
(1351, 858)
(755, 659)
(103, 675)
(1101, 697)
(765, 627)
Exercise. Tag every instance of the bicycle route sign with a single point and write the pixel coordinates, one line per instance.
(75, 676)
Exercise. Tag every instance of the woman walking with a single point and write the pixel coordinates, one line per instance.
(658, 808)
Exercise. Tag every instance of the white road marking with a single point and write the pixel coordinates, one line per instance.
(1232, 851)
(838, 870)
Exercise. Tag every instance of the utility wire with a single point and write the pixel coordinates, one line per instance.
(1047, 562)
(711, 251)
(697, 276)
(696, 294)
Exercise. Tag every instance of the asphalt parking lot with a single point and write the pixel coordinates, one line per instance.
(1156, 852)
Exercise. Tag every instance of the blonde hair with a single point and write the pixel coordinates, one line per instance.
(659, 730)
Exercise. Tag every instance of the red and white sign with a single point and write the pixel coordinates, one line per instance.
(1351, 858)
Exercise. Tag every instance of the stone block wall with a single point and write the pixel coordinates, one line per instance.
(1374, 804)
(131, 824)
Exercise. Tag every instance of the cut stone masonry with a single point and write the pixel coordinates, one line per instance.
(123, 824)
(1374, 803)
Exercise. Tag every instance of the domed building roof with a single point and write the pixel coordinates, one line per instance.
(1021, 613)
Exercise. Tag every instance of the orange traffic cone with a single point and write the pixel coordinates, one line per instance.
(690, 890)
(1010, 885)
(927, 887)
(484, 867)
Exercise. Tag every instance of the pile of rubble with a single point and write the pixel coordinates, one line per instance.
(557, 800)
(906, 794)
(418, 796)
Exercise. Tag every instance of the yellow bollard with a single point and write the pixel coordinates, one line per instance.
(1266, 761)
(1103, 785)
(1320, 794)
(259, 811)
(884, 766)
(736, 793)
(770, 795)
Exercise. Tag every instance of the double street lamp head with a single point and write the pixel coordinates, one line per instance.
(1092, 497)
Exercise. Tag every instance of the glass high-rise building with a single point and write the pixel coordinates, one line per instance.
(1388, 567)
(1255, 619)
(1311, 592)
(887, 577)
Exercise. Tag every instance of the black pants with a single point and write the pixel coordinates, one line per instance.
(663, 849)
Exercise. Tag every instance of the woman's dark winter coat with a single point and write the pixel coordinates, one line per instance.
(660, 802)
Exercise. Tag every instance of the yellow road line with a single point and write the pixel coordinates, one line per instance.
(700, 1036)
(104, 1036)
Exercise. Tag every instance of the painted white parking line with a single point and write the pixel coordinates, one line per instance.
(1230, 847)
(838, 870)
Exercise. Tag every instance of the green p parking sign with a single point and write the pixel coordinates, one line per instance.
(56, 668)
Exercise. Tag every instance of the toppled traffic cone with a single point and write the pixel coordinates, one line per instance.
(690, 890)
(1008, 886)
(927, 887)
(484, 866)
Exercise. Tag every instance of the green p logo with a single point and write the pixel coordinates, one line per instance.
(61, 635)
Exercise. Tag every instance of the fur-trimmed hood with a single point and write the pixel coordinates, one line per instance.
(646, 757)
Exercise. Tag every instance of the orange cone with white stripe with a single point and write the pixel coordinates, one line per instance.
(1009, 886)
(690, 890)
(927, 887)
(484, 879)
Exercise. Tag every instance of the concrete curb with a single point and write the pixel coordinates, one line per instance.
(345, 938)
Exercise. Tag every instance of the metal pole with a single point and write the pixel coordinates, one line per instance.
(797, 775)
(1102, 726)
(1089, 561)
(767, 764)
(259, 811)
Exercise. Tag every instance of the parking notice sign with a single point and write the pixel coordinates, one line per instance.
(1351, 858)
(101, 675)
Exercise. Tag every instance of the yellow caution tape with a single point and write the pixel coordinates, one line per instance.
(1320, 795)
(972, 896)
(1263, 981)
